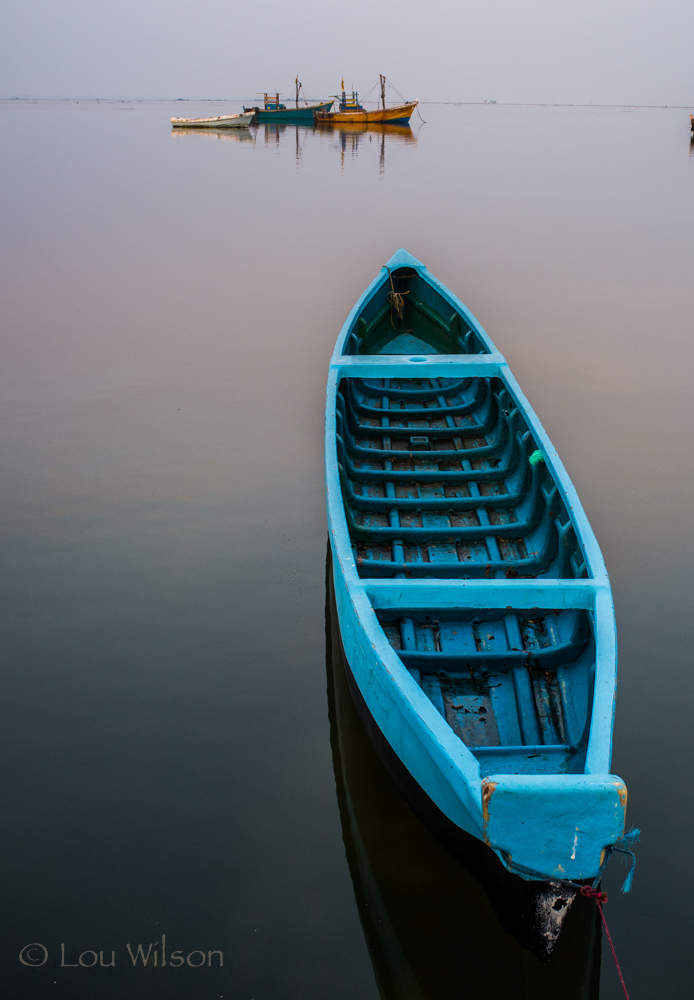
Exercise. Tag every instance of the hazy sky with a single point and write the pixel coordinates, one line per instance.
(601, 51)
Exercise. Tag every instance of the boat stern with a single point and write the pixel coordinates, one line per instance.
(558, 825)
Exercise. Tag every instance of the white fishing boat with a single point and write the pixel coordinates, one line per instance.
(222, 121)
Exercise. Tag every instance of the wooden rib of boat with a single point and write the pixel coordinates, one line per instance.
(474, 605)
(221, 121)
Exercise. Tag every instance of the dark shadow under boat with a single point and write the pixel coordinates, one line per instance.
(438, 924)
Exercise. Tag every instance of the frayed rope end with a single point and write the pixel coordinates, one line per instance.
(629, 880)
(630, 837)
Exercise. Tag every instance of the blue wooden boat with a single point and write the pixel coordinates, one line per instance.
(427, 930)
(474, 605)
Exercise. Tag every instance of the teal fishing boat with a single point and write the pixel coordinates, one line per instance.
(474, 605)
(274, 111)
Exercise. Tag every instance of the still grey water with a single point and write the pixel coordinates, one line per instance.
(172, 763)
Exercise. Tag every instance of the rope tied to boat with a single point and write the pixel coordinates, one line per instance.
(397, 303)
(600, 898)
(620, 846)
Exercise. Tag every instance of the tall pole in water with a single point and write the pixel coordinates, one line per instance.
(383, 90)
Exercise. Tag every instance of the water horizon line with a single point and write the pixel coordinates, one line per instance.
(238, 100)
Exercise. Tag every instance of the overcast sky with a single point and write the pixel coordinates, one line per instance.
(562, 51)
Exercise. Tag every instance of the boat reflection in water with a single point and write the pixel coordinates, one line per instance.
(364, 128)
(228, 134)
(432, 931)
(276, 133)
(350, 136)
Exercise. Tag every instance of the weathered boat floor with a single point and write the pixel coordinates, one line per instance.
(514, 686)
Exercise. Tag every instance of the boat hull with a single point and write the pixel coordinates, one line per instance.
(532, 912)
(533, 786)
(292, 115)
(400, 114)
(222, 121)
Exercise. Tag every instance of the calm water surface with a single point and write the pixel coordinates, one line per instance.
(170, 303)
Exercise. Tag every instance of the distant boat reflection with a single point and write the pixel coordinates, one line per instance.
(430, 928)
(349, 136)
(229, 134)
(352, 134)
(347, 139)
(362, 128)
(275, 131)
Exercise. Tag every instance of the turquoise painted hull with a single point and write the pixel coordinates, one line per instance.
(291, 115)
(395, 868)
(474, 604)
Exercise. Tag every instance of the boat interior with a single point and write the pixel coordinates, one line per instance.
(442, 478)
(408, 316)
(514, 686)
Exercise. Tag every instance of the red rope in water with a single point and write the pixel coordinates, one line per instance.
(600, 898)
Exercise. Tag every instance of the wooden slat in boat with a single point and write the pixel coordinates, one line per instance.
(474, 605)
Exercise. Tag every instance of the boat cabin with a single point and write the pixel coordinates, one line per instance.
(272, 102)
(350, 103)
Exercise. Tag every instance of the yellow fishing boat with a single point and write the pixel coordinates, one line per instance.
(350, 110)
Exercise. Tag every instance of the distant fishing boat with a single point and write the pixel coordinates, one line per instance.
(350, 110)
(274, 111)
(474, 605)
(222, 121)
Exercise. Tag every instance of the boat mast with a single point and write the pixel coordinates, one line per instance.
(383, 90)
(297, 91)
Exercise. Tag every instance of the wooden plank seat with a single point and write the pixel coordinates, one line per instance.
(440, 483)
